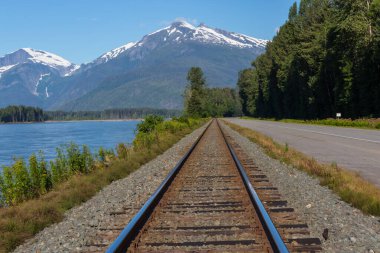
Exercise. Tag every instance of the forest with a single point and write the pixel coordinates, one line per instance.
(124, 113)
(20, 113)
(324, 60)
(201, 101)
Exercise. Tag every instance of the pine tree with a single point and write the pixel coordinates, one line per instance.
(194, 93)
(293, 12)
(323, 60)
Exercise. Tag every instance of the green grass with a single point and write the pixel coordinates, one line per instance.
(350, 186)
(22, 221)
(370, 123)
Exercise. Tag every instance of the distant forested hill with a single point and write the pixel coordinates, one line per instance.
(325, 59)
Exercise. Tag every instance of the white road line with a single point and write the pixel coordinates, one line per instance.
(335, 135)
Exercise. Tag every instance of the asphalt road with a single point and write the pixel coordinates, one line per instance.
(354, 149)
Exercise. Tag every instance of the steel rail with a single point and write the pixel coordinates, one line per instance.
(129, 233)
(273, 235)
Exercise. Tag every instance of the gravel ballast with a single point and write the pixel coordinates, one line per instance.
(81, 223)
(349, 230)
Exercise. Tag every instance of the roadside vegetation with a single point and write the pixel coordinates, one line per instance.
(357, 123)
(352, 188)
(36, 194)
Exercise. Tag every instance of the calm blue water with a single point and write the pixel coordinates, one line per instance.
(21, 140)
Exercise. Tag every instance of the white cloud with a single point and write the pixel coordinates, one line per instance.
(192, 21)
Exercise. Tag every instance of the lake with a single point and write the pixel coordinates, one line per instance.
(21, 140)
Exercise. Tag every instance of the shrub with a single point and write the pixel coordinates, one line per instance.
(149, 124)
(22, 181)
(122, 151)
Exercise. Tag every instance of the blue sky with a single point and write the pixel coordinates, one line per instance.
(81, 30)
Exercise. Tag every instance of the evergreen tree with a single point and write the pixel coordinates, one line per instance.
(245, 86)
(293, 12)
(194, 94)
(323, 60)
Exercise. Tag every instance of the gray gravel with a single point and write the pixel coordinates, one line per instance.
(349, 229)
(81, 223)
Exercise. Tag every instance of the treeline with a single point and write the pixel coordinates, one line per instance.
(325, 59)
(12, 114)
(127, 113)
(200, 101)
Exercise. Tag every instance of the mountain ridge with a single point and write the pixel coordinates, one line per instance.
(127, 72)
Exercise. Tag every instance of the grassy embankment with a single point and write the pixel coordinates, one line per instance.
(24, 217)
(357, 123)
(348, 185)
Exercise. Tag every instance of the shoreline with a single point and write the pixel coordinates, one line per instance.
(76, 120)
(79, 120)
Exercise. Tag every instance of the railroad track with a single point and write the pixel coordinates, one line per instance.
(208, 204)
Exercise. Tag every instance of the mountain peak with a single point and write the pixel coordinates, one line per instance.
(27, 54)
(181, 31)
(182, 23)
(30, 55)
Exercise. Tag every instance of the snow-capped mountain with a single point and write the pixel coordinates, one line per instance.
(29, 55)
(182, 32)
(23, 72)
(148, 73)
(114, 53)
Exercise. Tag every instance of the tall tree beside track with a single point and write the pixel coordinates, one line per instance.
(195, 92)
(325, 59)
(201, 101)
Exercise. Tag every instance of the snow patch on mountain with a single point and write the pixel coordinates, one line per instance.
(72, 69)
(116, 52)
(35, 92)
(205, 34)
(46, 92)
(29, 55)
(46, 58)
(3, 69)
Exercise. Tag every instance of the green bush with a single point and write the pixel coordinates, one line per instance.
(122, 151)
(22, 181)
(149, 124)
